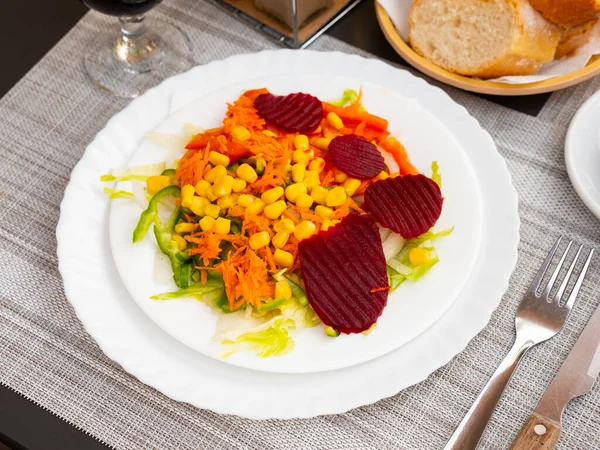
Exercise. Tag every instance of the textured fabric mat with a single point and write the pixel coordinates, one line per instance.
(46, 122)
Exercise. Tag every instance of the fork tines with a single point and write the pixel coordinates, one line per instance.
(558, 296)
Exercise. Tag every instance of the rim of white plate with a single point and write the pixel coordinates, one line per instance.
(571, 149)
(127, 336)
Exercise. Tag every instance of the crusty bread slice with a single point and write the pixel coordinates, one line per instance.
(486, 39)
(568, 12)
(573, 38)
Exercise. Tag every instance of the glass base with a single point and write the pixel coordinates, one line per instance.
(115, 69)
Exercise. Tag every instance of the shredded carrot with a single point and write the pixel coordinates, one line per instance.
(393, 146)
(351, 114)
(380, 289)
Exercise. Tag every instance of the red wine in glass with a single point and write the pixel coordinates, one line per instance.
(122, 7)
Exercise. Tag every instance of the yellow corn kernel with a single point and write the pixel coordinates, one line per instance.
(198, 205)
(223, 185)
(304, 201)
(280, 239)
(180, 242)
(215, 173)
(210, 194)
(327, 224)
(336, 221)
(317, 164)
(298, 171)
(256, 207)
(240, 134)
(156, 183)
(336, 197)
(301, 142)
(319, 195)
(285, 224)
(238, 185)
(259, 240)
(274, 210)
(324, 212)
(218, 159)
(187, 194)
(311, 174)
(304, 230)
(293, 191)
(300, 157)
(207, 223)
(183, 228)
(351, 185)
(222, 225)
(245, 200)
(322, 143)
(269, 133)
(247, 173)
(382, 175)
(419, 256)
(335, 121)
(212, 210)
(283, 289)
(272, 195)
(311, 182)
(283, 259)
(226, 202)
(339, 176)
(201, 187)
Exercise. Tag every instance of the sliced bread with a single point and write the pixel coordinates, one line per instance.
(568, 12)
(486, 39)
(573, 38)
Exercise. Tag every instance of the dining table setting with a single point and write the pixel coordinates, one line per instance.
(303, 224)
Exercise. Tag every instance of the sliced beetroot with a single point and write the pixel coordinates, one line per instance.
(409, 205)
(298, 112)
(345, 274)
(356, 156)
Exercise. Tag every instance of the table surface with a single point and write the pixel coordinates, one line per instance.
(23, 425)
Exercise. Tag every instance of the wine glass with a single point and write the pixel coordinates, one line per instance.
(142, 54)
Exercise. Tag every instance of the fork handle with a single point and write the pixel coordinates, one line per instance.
(469, 431)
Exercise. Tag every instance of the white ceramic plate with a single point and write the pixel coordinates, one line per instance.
(411, 309)
(128, 336)
(582, 153)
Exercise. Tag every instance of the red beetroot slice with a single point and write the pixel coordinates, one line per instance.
(345, 274)
(293, 113)
(409, 205)
(356, 156)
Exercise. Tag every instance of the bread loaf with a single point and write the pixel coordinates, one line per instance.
(573, 38)
(486, 39)
(568, 12)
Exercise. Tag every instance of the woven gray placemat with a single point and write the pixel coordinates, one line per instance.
(50, 116)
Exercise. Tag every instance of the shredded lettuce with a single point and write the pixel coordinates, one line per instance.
(435, 173)
(113, 193)
(399, 267)
(210, 291)
(349, 97)
(274, 340)
(134, 173)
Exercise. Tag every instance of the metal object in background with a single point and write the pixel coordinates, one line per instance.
(275, 35)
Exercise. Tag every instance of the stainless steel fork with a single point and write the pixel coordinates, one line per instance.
(538, 318)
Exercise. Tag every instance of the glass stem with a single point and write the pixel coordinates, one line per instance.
(135, 45)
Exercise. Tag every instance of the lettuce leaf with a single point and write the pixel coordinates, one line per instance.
(436, 176)
(208, 292)
(274, 340)
(113, 193)
(349, 97)
(134, 173)
(399, 267)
